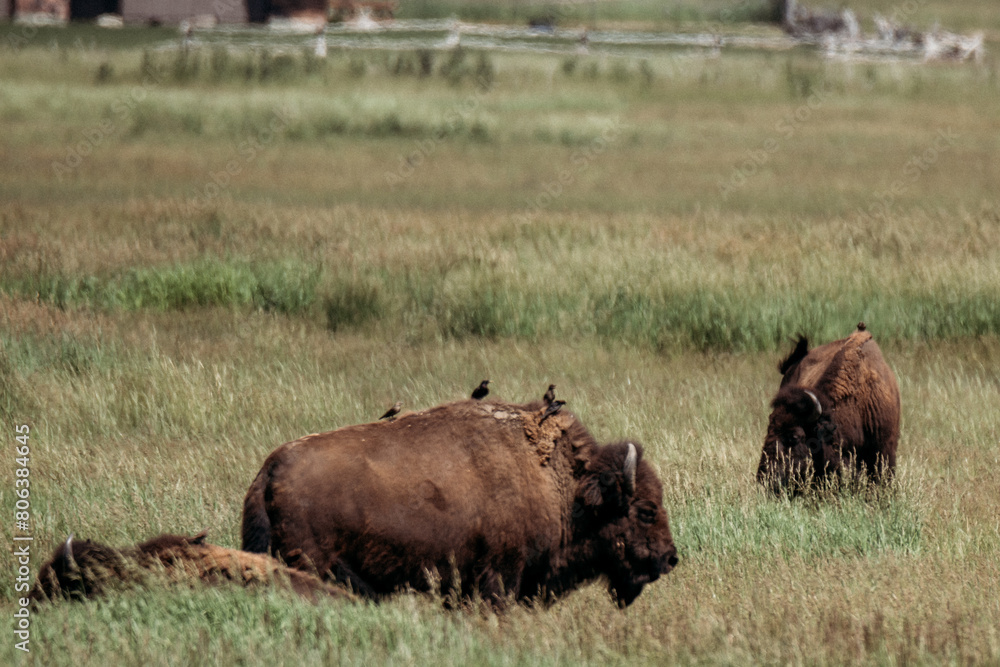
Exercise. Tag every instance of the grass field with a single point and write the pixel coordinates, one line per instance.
(202, 257)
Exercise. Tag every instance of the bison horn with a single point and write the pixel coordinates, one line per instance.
(819, 408)
(68, 561)
(631, 463)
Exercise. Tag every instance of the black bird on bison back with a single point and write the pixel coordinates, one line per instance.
(550, 395)
(554, 407)
(481, 391)
(393, 411)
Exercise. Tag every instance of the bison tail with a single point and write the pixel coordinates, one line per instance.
(256, 523)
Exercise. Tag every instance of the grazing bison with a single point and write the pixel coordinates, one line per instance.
(487, 491)
(837, 407)
(87, 569)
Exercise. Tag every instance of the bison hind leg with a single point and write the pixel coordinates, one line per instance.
(342, 574)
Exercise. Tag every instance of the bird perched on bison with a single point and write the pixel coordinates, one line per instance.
(837, 408)
(550, 395)
(486, 492)
(393, 411)
(552, 408)
(481, 391)
(82, 569)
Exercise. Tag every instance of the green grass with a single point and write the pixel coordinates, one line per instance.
(466, 300)
(286, 288)
(233, 261)
(646, 215)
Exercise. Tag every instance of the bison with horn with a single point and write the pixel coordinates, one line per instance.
(470, 496)
(837, 407)
(85, 569)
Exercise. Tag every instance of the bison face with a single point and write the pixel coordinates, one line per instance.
(76, 571)
(642, 550)
(623, 497)
(801, 441)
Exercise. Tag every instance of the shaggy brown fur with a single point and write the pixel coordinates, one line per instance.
(87, 569)
(483, 490)
(857, 425)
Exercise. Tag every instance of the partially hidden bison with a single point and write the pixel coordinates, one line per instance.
(85, 569)
(468, 496)
(837, 409)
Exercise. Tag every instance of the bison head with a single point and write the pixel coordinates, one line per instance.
(801, 439)
(620, 511)
(78, 570)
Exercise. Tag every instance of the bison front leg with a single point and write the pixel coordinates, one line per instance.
(825, 446)
(879, 467)
(497, 578)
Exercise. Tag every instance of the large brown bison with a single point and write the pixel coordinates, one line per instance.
(837, 407)
(512, 504)
(85, 569)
